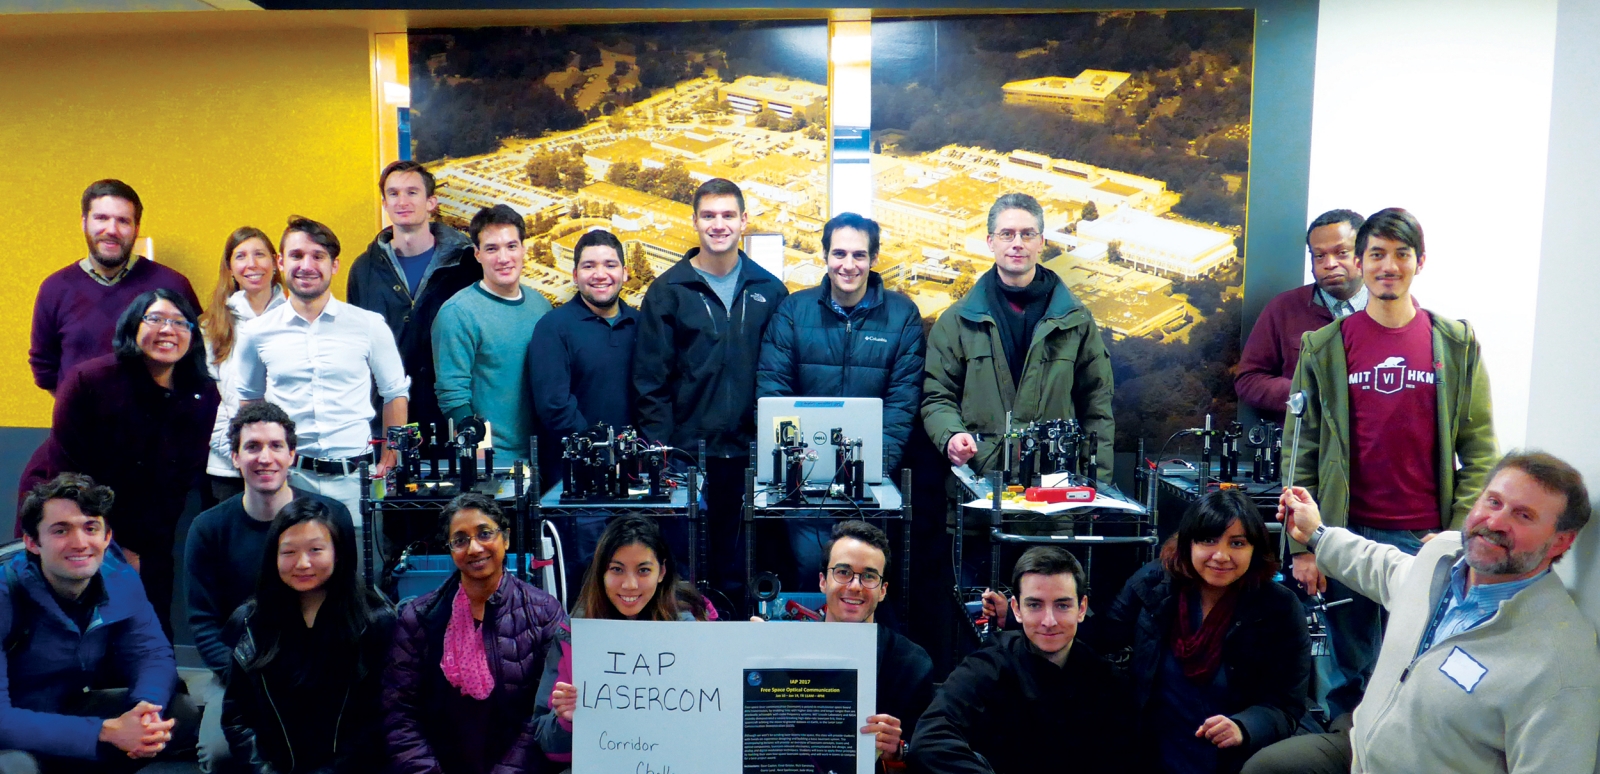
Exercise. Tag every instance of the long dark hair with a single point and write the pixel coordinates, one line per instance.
(1207, 519)
(191, 369)
(218, 318)
(349, 606)
(673, 596)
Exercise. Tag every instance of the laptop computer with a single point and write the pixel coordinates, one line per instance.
(813, 420)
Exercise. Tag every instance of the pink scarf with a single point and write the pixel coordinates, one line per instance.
(465, 662)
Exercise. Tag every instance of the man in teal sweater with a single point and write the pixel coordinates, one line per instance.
(481, 336)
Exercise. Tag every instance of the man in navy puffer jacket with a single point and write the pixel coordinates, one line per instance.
(848, 338)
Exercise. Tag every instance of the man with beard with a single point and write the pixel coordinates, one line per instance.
(481, 337)
(1267, 363)
(1488, 665)
(1398, 431)
(77, 307)
(320, 358)
(580, 363)
(223, 553)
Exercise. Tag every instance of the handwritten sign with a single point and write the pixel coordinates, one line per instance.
(722, 698)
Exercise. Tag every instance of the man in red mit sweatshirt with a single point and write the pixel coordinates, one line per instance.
(77, 307)
(1336, 292)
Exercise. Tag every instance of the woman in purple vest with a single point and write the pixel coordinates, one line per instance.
(459, 692)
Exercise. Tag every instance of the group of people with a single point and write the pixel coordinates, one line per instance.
(314, 671)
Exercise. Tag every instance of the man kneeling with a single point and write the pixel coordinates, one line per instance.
(1031, 690)
(1487, 664)
(72, 619)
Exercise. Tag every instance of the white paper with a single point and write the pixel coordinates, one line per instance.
(1463, 669)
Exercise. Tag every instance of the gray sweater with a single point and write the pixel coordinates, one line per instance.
(480, 352)
(1520, 693)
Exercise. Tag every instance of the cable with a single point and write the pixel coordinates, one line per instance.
(560, 561)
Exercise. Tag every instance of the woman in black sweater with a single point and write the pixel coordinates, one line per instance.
(303, 692)
(1221, 656)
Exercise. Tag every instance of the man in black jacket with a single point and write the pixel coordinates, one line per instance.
(854, 582)
(694, 364)
(1031, 694)
(846, 338)
(408, 272)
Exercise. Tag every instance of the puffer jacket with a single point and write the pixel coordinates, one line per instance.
(53, 660)
(1464, 422)
(519, 624)
(256, 732)
(378, 284)
(968, 388)
(811, 349)
(694, 361)
(1265, 653)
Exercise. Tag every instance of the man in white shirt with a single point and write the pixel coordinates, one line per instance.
(320, 358)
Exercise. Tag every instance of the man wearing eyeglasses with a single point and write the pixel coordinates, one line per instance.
(1018, 342)
(1336, 291)
(853, 582)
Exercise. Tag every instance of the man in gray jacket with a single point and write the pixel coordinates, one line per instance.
(1487, 665)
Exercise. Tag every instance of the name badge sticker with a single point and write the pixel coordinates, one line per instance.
(1463, 669)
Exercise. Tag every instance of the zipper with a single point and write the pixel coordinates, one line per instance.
(744, 303)
(287, 744)
(710, 314)
(343, 705)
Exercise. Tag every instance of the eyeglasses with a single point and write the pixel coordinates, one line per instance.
(1007, 235)
(160, 323)
(485, 536)
(842, 575)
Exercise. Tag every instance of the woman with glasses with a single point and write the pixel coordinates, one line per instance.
(1221, 655)
(460, 689)
(633, 577)
(302, 693)
(248, 284)
(138, 420)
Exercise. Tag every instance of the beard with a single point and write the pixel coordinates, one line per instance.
(1513, 562)
(114, 261)
(597, 303)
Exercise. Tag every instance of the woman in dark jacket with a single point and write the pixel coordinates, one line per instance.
(459, 692)
(633, 577)
(139, 421)
(1221, 656)
(302, 694)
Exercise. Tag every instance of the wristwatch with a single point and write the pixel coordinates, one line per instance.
(1316, 537)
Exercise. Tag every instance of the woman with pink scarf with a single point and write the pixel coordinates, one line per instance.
(459, 691)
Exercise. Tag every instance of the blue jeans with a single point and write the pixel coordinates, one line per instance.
(1356, 631)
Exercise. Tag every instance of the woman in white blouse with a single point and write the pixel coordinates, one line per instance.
(248, 284)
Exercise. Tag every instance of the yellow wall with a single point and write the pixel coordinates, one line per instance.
(214, 130)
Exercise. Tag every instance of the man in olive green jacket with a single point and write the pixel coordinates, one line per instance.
(1021, 313)
(1333, 371)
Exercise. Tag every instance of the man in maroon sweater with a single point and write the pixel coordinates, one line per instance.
(77, 307)
(1269, 357)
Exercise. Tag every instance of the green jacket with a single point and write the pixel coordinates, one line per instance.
(1465, 422)
(968, 386)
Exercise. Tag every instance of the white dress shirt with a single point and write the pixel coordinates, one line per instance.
(227, 375)
(321, 372)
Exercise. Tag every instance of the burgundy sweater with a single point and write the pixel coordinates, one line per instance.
(1267, 363)
(149, 444)
(74, 316)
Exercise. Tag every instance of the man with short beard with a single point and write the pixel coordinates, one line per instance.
(320, 358)
(77, 307)
(1487, 665)
(580, 363)
(1398, 430)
